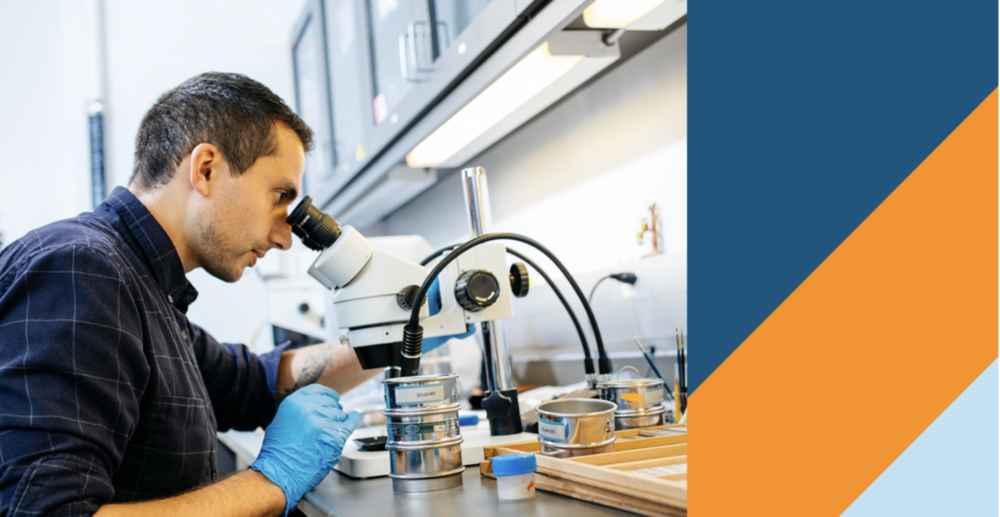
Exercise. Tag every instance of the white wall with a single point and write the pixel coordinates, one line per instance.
(44, 139)
(152, 46)
(579, 177)
(155, 45)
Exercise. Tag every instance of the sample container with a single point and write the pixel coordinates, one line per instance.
(515, 476)
(424, 440)
(639, 401)
(576, 427)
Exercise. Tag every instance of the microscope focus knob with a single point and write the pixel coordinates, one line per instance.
(476, 289)
(519, 279)
(407, 297)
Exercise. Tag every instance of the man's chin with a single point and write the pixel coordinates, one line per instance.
(237, 275)
(229, 275)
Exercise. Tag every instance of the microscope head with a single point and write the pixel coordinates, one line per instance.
(367, 282)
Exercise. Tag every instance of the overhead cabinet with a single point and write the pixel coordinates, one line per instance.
(381, 63)
(312, 95)
(397, 88)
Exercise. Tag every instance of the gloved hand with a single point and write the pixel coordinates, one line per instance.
(304, 441)
(434, 306)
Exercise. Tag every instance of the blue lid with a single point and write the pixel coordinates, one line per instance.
(464, 420)
(513, 464)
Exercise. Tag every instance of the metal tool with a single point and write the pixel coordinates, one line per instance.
(649, 359)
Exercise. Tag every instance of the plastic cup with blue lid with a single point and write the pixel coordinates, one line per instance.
(515, 476)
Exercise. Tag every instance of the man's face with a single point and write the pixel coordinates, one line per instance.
(247, 217)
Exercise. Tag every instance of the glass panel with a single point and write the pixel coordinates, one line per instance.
(348, 73)
(401, 51)
(311, 97)
(453, 16)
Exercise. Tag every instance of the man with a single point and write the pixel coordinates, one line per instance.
(109, 397)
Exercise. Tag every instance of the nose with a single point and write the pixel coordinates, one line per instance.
(281, 233)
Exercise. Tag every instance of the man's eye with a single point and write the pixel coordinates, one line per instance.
(282, 196)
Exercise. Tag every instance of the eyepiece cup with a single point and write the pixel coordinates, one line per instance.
(316, 229)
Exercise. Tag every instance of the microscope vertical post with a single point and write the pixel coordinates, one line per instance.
(502, 408)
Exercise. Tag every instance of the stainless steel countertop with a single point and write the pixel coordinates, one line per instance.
(341, 496)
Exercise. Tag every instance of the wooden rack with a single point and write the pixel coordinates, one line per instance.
(646, 475)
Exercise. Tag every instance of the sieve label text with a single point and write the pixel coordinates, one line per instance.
(426, 394)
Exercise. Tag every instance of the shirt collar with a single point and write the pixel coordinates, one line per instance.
(154, 244)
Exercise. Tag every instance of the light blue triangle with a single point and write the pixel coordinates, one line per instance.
(951, 469)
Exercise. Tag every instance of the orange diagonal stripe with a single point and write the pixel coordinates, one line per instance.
(866, 353)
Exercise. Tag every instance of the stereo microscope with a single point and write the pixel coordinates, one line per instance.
(380, 298)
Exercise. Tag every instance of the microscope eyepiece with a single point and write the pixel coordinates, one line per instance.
(316, 229)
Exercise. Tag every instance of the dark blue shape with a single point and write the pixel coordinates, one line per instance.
(803, 118)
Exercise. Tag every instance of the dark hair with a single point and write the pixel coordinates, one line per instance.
(230, 111)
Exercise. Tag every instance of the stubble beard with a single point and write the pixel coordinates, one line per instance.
(220, 254)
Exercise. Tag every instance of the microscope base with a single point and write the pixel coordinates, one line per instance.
(503, 412)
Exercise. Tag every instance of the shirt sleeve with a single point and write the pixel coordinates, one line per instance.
(241, 385)
(72, 371)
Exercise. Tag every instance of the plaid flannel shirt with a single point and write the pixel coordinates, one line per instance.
(107, 392)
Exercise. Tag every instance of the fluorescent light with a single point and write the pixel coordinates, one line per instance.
(527, 78)
(617, 14)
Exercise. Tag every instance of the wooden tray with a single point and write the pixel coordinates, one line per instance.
(645, 475)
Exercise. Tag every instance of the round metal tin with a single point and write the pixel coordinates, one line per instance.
(640, 401)
(633, 394)
(576, 427)
(633, 419)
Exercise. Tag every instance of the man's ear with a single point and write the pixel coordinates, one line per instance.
(207, 165)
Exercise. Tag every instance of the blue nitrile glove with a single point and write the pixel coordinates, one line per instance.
(304, 441)
(434, 305)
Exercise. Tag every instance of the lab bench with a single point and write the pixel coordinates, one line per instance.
(342, 496)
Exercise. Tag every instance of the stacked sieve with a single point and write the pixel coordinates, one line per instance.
(424, 440)
(639, 401)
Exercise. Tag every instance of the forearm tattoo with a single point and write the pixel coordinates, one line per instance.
(314, 364)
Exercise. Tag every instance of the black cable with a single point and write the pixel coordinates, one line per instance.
(588, 361)
(434, 255)
(625, 278)
(590, 297)
(413, 332)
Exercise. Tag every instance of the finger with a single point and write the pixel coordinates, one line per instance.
(344, 428)
(334, 441)
(331, 413)
(340, 434)
(353, 419)
(349, 423)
